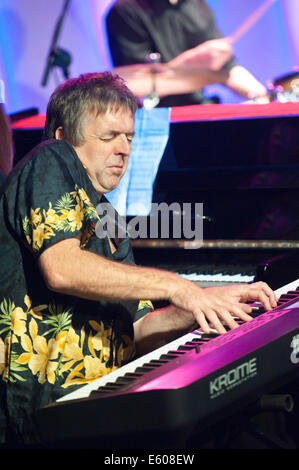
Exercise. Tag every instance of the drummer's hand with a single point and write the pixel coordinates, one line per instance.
(217, 305)
(211, 55)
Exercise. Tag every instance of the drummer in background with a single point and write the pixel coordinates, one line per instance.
(191, 48)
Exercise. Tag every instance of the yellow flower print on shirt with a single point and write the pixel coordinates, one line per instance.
(43, 362)
(35, 216)
(41, 233)
(101, 340)
(145, 304)
(39, 354)
(71, 348)
(51, 217)
(57, 351)
(18, 321)
(94, 368)
(84, 197)
(67, 215)
(75, 217)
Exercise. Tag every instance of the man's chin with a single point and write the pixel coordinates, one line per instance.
(111, 186)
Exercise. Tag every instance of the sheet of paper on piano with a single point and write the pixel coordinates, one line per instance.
(133, 196)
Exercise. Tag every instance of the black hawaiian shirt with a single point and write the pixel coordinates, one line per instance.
(50, 344)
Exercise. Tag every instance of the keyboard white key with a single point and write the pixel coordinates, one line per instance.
(284, 289)
(219, 277)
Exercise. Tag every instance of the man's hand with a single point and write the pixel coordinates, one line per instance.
(211, 55)
(215, 306)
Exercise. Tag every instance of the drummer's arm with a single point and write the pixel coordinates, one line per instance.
(211, 62)
(178, 77)
(168, 80)
(242, 82)
(180, 80)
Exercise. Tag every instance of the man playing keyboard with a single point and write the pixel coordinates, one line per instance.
(71, 301)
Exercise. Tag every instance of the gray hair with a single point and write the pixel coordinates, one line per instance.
(74, 99)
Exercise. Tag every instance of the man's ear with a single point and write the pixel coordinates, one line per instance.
(59, 133)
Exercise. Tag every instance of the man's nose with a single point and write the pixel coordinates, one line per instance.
(123, 145)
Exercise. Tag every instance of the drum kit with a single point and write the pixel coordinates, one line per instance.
(149, 81)
(142, 78)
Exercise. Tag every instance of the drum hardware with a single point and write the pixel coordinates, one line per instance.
(285, 88)
(152, 99)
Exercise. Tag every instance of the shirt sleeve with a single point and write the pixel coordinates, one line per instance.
(144, 307)
(52, 204)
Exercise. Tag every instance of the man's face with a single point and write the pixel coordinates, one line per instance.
(106, 149)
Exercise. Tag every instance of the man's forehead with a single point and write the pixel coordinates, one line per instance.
(120, 119)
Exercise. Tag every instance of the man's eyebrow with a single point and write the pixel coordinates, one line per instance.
(116, 132)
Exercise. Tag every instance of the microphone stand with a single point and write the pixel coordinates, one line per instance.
(57, 56)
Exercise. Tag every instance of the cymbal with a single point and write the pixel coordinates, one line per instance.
(167, 80)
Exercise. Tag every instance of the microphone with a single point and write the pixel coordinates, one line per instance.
(57, 56)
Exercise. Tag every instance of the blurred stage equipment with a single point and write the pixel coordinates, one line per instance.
(57, 57)
(152, 99)
(285, 88)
